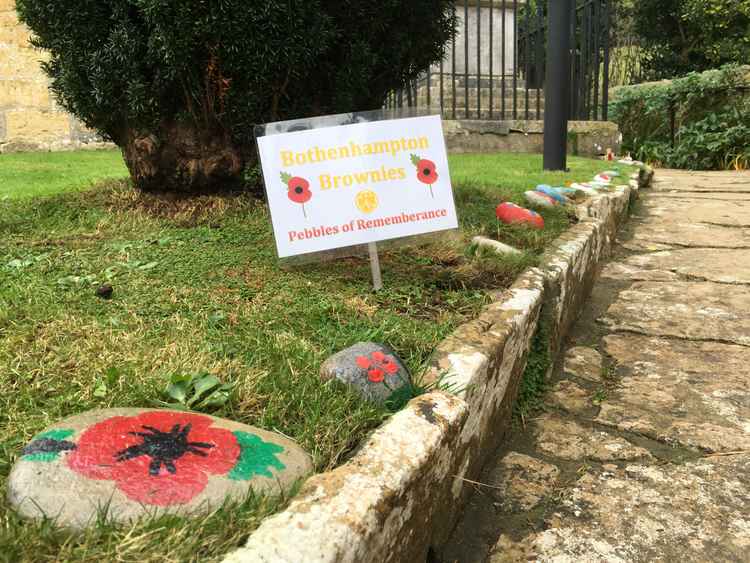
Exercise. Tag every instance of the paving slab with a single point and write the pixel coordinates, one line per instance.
(699, 310)
(694, 394)
(631, 271)
(520, 482)
(713, 212)
(654, 231)
(691, 512)
(682, 181)
(697, 197)
(571, 397)
(567, 439)
(730, 266)
(583, 362)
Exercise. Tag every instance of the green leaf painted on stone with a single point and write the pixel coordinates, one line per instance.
(256, 456)
(57, 435)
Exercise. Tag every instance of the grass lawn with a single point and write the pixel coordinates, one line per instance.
(197, 288)
(26, 175)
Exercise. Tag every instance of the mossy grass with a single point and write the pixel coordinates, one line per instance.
(197, 289)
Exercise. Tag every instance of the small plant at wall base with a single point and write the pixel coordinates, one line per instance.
(700, 121)
(179, 86)
(534, 380)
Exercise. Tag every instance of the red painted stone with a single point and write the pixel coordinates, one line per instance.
(510, 213)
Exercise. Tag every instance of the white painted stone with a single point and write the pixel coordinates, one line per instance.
(494, 245)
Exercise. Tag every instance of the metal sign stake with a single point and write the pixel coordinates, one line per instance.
(377, 279)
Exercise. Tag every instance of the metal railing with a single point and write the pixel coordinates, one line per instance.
(495, 66)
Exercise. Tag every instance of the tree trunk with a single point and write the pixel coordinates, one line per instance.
(182, 158)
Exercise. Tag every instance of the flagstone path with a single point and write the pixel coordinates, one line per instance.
(643, 451)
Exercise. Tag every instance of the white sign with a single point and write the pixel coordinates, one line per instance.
(355, 184)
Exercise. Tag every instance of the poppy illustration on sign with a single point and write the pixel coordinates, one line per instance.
(160, 458)
(426, 171)
(298, 190)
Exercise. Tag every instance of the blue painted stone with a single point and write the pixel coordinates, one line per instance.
(540, 199)
(548, 190)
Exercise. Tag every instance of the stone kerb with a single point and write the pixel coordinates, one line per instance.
(402, 491)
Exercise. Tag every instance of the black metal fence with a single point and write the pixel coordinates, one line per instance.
(495, 67)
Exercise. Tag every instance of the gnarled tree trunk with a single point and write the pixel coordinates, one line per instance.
(181, 157)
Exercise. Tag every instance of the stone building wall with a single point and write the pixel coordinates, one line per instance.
(30, 118)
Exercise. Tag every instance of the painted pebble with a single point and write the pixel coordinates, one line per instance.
(373, 370)
(565, 190)
(512, 214)
(137, 462)
(539, 199)
(494, 245)
(588, 190)
(602, 179)
(551, 192)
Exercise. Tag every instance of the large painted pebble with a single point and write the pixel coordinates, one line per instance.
(512, 214)
(602, 179)
(141, 462)
(494, 245)
(539, 199)
(372, 370)
(551, 192)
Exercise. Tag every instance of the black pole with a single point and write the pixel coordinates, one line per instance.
(557, 86)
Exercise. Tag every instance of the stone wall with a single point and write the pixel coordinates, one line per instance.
(585, 138)
(30, 118)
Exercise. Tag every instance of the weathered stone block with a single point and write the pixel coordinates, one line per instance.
(24, 93)
(37, 125)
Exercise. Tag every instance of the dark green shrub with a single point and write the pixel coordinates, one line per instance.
(179, 85)
(681, 36)
(701, 121)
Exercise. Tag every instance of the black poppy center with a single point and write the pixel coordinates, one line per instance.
(48, 446)
(427, 171)
(298, 190)
(164, 448)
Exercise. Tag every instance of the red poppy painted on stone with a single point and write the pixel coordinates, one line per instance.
(426, 171)
(510, 213)
(159, 458)
(377, 366)
(298, 190)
